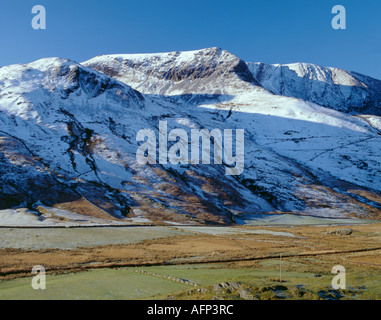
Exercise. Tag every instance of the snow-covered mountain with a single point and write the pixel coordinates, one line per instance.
(210, 71)
(333, 88)
(68, 138)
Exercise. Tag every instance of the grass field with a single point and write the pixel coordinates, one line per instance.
(150, 262)
(95, 284)
(126, 283)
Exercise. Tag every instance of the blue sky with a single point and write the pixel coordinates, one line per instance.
(271, 31)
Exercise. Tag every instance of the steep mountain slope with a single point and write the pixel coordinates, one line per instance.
(47, 109)
(209, 71)
(69, 132)
(330, 87)
(242, 94)
(68, 139)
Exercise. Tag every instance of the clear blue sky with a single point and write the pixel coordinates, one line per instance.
(271, 31)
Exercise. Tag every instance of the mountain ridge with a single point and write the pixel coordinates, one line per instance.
(69, 133)
(330, 87)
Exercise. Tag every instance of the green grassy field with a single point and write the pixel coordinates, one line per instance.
(126, 283)
(95, 284)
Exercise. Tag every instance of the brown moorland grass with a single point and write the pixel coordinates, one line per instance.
(361, 248)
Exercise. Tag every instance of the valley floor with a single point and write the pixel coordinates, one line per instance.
(178, 262)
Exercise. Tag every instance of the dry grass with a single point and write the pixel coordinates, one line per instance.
(243, 249)
(85, 207)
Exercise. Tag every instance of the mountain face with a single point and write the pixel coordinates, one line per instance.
(333, 88)
(68, 137)
(210, 72)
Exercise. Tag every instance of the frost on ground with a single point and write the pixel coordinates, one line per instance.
(52, 217)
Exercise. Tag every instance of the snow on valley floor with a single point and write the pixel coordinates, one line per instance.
(22, 229)
(72, 238)
(23, 217)
(294, 220)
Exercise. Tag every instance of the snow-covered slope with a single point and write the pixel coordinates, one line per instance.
(209, 71)
(68, 140)
(330, 87)
(53, 112)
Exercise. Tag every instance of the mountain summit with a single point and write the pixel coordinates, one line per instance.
(68, 138)
(207, 71)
